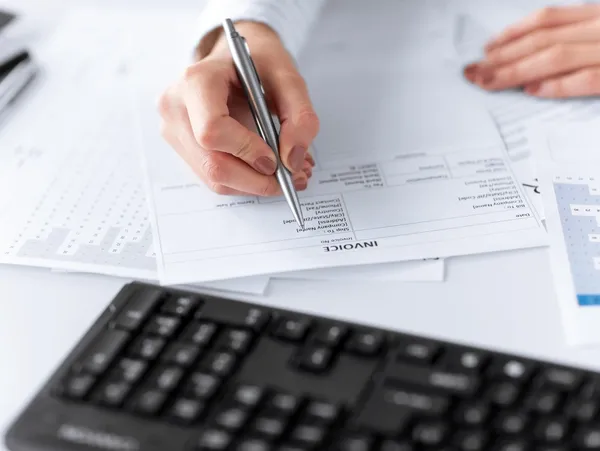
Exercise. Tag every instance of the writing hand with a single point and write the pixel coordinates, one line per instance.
(206, 119)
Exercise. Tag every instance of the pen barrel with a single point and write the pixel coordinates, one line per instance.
(254, 91)
(263, 119)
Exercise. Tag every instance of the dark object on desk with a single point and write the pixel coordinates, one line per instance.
(6, 67)
(16, 74)
(168, 370)
(17, 68)
(6, 18)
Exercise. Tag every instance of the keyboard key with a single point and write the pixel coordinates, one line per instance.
(292, 329)
(220, 363)
(591, 387)
(461, 384)
(551, 430)
(291, 447)
(322, 412)
(417, 351)
(200, 334)
(186, 411)
(472, 413)
(166, 379)
(471, 440)
(392, 445)
(231, 419)
(253, 444)
(237, 341)
(465, 360)
(389, 411)
(331, 335)
(512, 445)
(129, 370)
(248, 395)
(235, 315)
(181, 354)
(270, 427)
(136, 311)
(113, 394)
(582, 410)
(512, 369)
(282, 404)
(366, 344)
(99, 357)
(511, 423)
(503, 394)
(432, 433)
(315, 359)
(181, 306)
(543, 402)
(148, 348)
(77, 386)
(163, 326)
(149, 402)
(202, 386)
(309, 436)
(588, 437)
(214, 440)
(561, 379)
(356, 442)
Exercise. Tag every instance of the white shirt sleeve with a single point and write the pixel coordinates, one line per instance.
(291, 19)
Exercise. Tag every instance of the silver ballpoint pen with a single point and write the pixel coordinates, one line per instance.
(255, 93)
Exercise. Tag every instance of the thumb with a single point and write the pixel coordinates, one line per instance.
(299, 121)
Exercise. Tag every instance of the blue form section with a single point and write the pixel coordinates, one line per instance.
(588, 299)
(580, 250)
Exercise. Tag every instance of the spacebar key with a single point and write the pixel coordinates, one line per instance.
(389, 410)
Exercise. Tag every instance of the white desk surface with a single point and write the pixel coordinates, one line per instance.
(503, 300)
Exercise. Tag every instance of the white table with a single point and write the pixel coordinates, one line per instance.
(502, 300)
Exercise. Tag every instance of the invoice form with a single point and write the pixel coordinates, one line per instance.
(408, 167)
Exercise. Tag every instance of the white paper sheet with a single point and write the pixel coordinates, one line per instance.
(420, 271)
(407, 168)
(391, 35)
(568, 165)
(71, 194)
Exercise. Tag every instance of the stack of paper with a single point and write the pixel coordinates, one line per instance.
(70, 156)
(71, 195)
(413, 165)
(409, 166)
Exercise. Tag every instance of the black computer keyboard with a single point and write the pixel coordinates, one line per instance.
(169, 370)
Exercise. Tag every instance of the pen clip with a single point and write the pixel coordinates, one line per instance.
(252, 65)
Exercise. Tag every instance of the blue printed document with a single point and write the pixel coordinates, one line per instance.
(568, 161)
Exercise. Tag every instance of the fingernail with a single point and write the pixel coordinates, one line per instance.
(297, 158)
(533, 88)
(265, 165)
(486, 76)
(301, 184)
(470, 72)
(300, 181)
